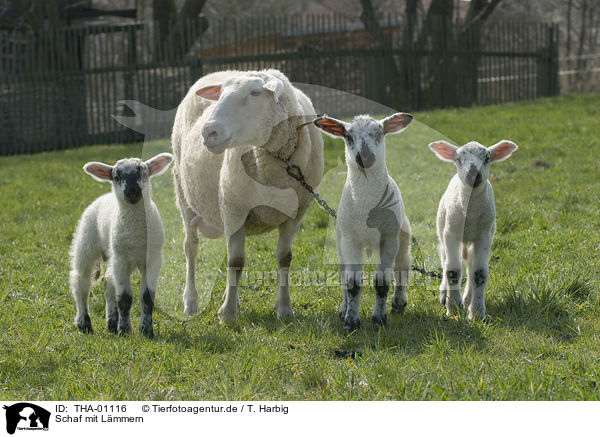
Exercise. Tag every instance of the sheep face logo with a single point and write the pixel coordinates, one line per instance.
(26, 416)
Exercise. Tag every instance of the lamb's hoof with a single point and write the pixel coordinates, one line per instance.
(351, 324)
(342, 315)
(111, 325)
(124, 329)
(379, 319)
(398, 308)
(85, 325)
(442, 299)
(147, 331)
(476, 314)
(285, 312)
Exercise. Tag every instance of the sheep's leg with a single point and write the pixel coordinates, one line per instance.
(401, 270)
(112, 313)
(81, 281)
(352, 283)
(452, 273)
(123, 293)
(468, 259)
(287, 231)
(479, 277)
(342, 263)
(150, 274)
(382, 280)
(190, 247)
(444, 283)
(235, 264)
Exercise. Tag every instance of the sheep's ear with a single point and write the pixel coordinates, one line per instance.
(331, 126)
(99, 171)
(275, 86)
(159, 164)
(502, 150)
(444, 150)
(210, 92)
(396, 123)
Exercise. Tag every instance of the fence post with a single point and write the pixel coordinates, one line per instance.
(554, 84)
(548, 64)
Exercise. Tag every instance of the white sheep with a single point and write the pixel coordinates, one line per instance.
(124, 229)
(229, 134)
(466, 222)
(371, 216)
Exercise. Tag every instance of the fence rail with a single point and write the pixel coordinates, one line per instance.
(61, 88)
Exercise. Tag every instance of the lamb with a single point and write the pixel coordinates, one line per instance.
(232, 132)
(124, 229)
(466, 222)
(371, 216)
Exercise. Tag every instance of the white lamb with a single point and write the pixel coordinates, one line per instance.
(371, 216)
(124, 229)
(231, 133)
(466, 222)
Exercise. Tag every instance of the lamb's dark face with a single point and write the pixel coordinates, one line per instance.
(129, 177)
(365, 141)
(473, 164)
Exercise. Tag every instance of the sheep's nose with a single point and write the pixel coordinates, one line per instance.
(365, 159)
(215, 133)
(474, 177)
(133, 194)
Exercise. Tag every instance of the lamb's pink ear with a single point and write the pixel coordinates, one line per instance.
(444, 150)
(211, 92)
(159, 164)
(502, 150)
(396, 123)
(99, 171)
(331, 126)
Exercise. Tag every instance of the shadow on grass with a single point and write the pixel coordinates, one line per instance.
(414, 332)
(542, 305)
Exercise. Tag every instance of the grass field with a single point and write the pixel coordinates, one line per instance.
(541, 340)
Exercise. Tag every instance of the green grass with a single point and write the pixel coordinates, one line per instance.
(540, 341)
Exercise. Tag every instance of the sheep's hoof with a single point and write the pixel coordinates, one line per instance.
(398, 307)
(190, 308)
(124, 329)
(85, 325)
(147, 331)
(111, 325)
(342, 315)
(226, 315)
(379, 319)
(351, 324)
(285, 312)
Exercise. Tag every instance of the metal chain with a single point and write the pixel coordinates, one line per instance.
(300, 178)
(424, 272)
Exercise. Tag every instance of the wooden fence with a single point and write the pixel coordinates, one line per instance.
(62, 88)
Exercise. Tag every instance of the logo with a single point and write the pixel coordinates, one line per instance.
(25, 416)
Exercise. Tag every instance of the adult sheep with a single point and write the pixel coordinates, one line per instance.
(230, 134)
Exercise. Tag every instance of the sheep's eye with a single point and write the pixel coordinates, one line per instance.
(487, 160)
(255, 93)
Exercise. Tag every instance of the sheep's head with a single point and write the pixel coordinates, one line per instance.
(364, 136)
(130, 176)
(473, 160)
(245, 111)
